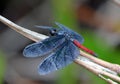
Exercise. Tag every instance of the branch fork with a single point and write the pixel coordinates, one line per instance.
(97, 66)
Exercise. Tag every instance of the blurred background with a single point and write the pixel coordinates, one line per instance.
(98, 21)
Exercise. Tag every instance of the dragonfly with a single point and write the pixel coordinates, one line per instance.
(62, 48)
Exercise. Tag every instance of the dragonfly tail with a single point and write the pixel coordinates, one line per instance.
(84, 48)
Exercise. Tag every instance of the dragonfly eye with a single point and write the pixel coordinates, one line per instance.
(53, 32)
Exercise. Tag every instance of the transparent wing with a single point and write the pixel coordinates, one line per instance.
(43, 47)
(63, 56)
(72, 33)
(44, 27)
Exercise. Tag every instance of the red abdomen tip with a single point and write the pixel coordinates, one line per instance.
(83, 48)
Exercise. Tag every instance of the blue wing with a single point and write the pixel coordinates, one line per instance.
(63, 56)
(72, 33)
(43, 47)
(45, 27)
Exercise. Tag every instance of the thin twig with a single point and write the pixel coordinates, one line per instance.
(25, 32)
(95, 65)
(95, 71)
(114, 67)
(107, 79)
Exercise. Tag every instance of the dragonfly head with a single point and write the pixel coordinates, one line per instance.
(53, 32)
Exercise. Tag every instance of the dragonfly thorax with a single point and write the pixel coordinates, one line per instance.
(66, 34)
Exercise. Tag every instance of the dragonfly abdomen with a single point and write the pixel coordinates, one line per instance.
(83, 47)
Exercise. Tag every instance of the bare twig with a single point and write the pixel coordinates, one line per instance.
(107, 79)
(95, 71)
(25, 32)
(114, 67)
(97, 66)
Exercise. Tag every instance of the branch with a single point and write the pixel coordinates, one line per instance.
(97, 66)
